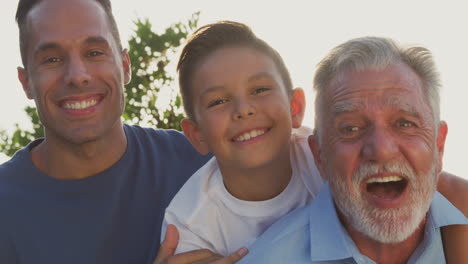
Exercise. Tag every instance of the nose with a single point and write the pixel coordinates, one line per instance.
(243, 109)
(77, 74)
(380, 145)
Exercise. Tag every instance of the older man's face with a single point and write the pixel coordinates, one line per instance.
(381, 151)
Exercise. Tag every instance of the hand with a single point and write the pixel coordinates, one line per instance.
(199, 256)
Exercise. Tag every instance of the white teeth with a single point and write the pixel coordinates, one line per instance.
(80, 105)
(385, 179)
(249, 135)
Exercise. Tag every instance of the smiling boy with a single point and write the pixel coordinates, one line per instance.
(241, 106)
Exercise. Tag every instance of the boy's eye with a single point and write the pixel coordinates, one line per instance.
(260, 90)
(217, 102)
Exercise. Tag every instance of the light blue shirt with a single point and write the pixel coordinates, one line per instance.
(314, 234)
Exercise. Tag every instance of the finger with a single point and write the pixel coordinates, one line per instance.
(194, 256)
(168, 246)
(234, 257)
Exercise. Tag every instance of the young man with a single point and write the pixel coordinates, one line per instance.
(93, 190)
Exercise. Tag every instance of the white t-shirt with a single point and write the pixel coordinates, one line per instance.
(208, 216)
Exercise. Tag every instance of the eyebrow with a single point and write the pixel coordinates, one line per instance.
(347, 107)
(261, 75)
(402, 106)
(97, 40)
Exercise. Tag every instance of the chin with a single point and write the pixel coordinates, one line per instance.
(386, 225)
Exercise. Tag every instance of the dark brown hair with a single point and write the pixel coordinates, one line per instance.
(24, 6)
(212, 37)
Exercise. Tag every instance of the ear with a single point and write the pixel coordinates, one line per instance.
(24, 80)
(440, 142)
(315, 148)
(298, 104)
(192, 132)
(127, 66)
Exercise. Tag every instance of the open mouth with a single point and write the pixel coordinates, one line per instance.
(386, 188)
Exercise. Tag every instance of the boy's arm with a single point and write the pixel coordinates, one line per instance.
(455, 237)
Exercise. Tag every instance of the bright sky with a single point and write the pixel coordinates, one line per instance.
(303, 32)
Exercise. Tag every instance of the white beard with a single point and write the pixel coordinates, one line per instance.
(385, 225)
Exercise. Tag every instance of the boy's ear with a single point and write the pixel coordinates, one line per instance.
(315, 148)
(192, 133)
(24, 80)
(298, 105)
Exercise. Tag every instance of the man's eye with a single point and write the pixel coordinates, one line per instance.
(350, 131)
(260, 90)
(51, 60)
(95, 53)
(217, 102)
(405, 123)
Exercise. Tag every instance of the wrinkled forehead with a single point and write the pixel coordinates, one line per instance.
(395, 80)
(396, 86)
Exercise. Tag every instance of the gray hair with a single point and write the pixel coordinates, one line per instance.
(376, 53)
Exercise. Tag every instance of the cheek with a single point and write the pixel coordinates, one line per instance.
(419, 154)
(342, 160)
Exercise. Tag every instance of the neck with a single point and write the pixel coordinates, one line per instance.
(384, 253)
(68, 161)
(260, 183)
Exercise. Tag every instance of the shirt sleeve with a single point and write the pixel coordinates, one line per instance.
(188, 240)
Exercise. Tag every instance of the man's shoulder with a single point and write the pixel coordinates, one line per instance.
(146, 132)
(164, 139)
(286, 241)
(15, 164)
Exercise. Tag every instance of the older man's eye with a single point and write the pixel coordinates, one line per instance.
(349, 131)
(405, 124)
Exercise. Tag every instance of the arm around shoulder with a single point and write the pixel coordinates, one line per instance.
(455, 237)
(455, 189)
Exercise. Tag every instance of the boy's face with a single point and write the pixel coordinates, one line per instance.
(242, 110)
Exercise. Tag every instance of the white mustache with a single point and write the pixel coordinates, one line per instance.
(367, 169)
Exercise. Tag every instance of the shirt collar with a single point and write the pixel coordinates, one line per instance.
(443, 213)
(327, 235)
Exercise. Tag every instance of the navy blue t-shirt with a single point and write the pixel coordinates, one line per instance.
(113, 217)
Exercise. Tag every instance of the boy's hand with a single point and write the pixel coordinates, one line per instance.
(200, 256)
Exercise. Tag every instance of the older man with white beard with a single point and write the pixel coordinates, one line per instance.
(380, 142)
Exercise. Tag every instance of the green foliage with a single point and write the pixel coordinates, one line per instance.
(150, 54)
(20, 138)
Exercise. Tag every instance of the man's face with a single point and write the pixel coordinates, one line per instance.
(380, 150)
(74, 72)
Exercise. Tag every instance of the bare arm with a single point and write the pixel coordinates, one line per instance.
(200, 256)
(455, 237)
